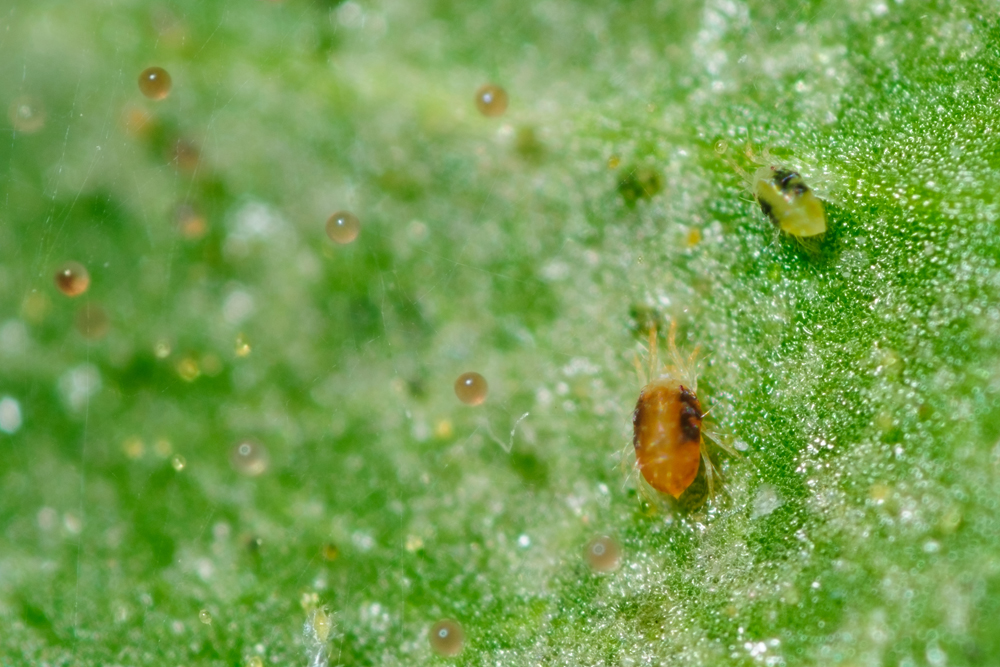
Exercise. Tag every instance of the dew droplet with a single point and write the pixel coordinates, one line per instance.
(205, 617)
(92, 321)
(178, 463)
(343, 227)
(491, 100)
(72, 279)
(154, 83)
(26, 114)
(248, 458)
(10, 415)
(603, 554)
(447, 638)
(471, 388)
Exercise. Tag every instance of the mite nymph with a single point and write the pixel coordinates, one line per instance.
(786, 199)
(782, 195)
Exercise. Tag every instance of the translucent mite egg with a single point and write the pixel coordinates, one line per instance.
(154, 83)
(133, 448)
(188, 369)
(603, 554)
(162, 349)
(242, 347)
(789, 203)
(162, 447)
(343, 227)
(443, 429)
(186, 155)
(254, 545)
(447, 638)
(92, 321)
(190, 222)
(667, 425)
(205, 617)
(72, 279)
(471, 388)
(330, 552)
(27, 115)
(491, 100)
(137, 121)
(35, 307)
(528, 144)
(248, 458)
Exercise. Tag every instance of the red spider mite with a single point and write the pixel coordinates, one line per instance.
(667, 425)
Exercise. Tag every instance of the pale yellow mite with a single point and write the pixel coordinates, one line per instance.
(782, 195)
(786, 199)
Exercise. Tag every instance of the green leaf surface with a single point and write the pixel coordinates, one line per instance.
(859, 376)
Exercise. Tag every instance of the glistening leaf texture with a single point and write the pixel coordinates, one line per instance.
(859, 377)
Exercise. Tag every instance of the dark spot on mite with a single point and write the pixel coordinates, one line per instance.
(790, 181)
(783, 176)
(687, 396)
(768, 211)
(690, 423)
(636, 417)
(690, 414)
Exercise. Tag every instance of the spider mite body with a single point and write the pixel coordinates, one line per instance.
(781, 193)
(667, 435)
(667, 425)
(789, 203)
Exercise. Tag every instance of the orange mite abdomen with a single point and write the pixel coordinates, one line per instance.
(667, 426)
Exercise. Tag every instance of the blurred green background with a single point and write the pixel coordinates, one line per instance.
(860, 379)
